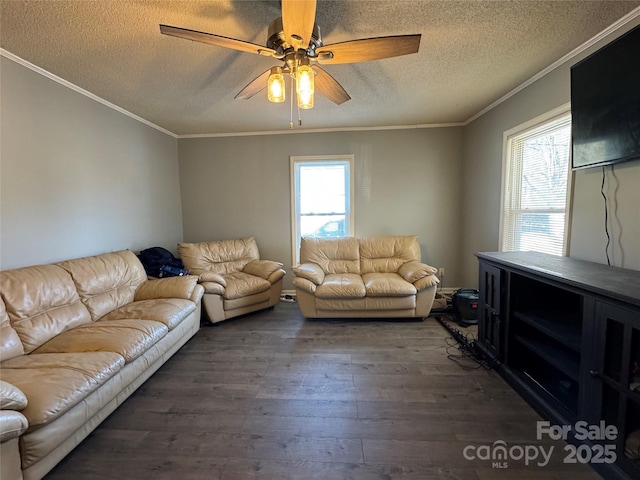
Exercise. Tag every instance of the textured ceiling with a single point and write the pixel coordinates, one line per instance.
(472, 53)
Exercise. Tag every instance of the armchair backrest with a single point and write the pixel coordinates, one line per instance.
(224, 256)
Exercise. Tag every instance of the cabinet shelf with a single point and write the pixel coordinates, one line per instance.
(560, 326)
(564, 361)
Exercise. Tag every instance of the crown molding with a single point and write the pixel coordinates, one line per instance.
(322, 130)
(577, 51)
(81, 91)
(572, 54)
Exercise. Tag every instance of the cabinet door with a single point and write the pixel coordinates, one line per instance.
(490, 332)
(614, 379)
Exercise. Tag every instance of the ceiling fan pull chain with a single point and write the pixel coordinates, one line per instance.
(291, 108)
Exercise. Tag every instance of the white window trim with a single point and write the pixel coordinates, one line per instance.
(545, 117)
(295, 159)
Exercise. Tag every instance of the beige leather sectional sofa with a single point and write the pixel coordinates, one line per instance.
(77, 338)
(236, 281)
(364, 277)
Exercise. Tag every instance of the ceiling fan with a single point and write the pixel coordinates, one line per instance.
(295, 39)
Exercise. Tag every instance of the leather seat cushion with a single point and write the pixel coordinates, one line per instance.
(341, 285)
(240, 284)
(128, 338)
(387, 285)
(170, 311)
(55, 382)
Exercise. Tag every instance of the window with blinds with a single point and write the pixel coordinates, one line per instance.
(536, 186)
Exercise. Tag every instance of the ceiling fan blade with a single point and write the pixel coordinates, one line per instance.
(368, 49)
(298, 18)
(255, 86)
(218, 40)
(329, 87)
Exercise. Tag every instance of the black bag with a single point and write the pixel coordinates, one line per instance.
(155, 258)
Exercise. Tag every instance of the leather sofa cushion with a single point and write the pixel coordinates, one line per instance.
(41, 302)
(246, 301)
(387, 254)
(128, 338)
(334, 255)
(169, 311)
(387, 285)
(225, 256)
(106, 282)
(55, 382)
(241, 284)
(341, 285)
(10, 344)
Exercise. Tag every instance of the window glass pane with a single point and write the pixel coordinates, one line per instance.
(321, 194)
(536, 187)
(322, 189)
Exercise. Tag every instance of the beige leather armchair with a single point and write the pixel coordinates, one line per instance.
(236, 281)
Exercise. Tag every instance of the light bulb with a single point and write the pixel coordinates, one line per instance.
(275, 85)
(304, 86)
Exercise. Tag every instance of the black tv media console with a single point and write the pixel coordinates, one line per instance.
(566, 336)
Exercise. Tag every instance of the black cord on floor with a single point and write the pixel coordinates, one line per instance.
(467, 348)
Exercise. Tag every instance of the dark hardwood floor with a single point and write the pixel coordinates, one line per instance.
(274, 396)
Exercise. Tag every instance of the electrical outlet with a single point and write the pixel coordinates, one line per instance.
(441, 272)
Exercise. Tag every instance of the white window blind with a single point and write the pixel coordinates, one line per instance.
(536, 186)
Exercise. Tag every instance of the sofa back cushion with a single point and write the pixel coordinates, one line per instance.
(225, 256)
(10, 344)
(107, 281)
(41, 302)
(334, 255)
(387, 254)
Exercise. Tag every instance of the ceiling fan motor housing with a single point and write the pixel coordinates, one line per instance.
(276, 39)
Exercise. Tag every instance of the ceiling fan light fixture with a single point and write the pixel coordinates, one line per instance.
(275, 85)
(305, 86)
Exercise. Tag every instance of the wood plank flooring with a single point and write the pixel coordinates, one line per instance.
(274, 396)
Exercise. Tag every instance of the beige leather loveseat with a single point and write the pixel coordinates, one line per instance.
(234, 278)
(364, 277)
(77, 338)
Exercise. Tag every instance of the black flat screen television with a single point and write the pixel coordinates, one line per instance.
(605, 104)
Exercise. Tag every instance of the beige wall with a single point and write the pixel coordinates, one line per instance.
(406, 182)
(482, 159)
(79, 178)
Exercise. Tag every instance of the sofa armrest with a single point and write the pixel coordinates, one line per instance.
(212, 287)
(265, 269)
(426, 282)
(171, 287)
(197, 293)
(414, 271)
(12, 425)
(11, 397)
(304, 284)
(310, 271)
(211, 277)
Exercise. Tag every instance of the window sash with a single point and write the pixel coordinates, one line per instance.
(338, 202)
(536, 185)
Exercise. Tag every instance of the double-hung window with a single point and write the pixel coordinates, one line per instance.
(322, 198)
(536, 185)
